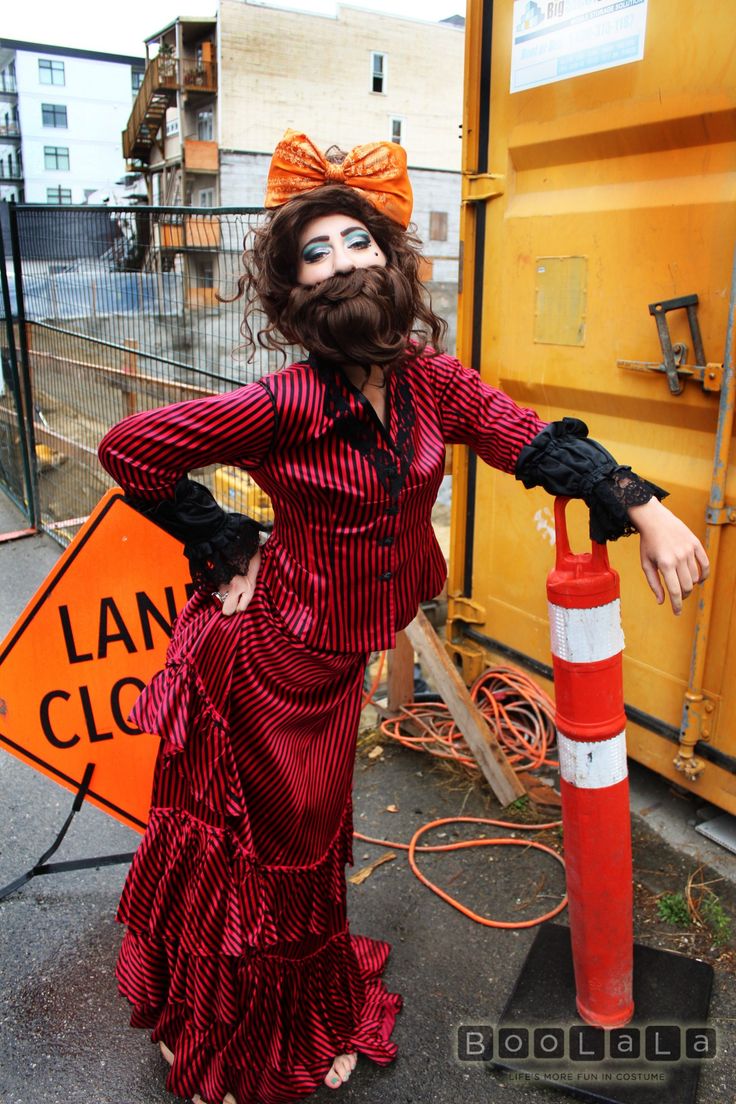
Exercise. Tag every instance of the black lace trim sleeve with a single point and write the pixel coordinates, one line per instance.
(564, 461)
(217, 544)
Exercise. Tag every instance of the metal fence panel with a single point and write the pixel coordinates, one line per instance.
(122, 315)
(17, 473)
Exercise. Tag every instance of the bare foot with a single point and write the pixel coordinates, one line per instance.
(166, 1053)
(196, 1099)
(341, 1069)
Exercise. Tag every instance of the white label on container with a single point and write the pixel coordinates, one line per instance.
(554, 40)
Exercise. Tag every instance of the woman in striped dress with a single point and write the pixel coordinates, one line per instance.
(238, 956)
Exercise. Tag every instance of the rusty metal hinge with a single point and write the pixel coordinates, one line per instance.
(700, 723)
(726, 515)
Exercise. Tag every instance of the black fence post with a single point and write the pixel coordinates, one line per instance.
(28, 459)
(34, 513)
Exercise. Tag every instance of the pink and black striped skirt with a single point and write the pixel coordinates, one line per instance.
(237, 952)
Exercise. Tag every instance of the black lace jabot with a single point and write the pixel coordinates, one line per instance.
(390, 459)
(565, 461)
(217, 544)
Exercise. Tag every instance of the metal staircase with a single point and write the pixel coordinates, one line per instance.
(155, 95)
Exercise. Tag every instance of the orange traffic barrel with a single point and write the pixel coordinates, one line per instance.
(587, 643)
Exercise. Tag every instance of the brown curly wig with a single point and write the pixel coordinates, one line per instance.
(367, 316)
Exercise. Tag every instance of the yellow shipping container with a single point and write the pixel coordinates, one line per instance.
(599, 223)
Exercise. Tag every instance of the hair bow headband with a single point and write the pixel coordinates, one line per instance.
(376, 170)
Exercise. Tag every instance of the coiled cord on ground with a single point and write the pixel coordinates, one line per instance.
(518, 712)
(521, 716)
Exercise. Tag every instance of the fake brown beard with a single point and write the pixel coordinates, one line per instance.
(359, 317)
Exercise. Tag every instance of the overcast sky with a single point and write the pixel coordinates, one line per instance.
(121, 28)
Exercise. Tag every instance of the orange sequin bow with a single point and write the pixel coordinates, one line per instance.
(376, 170)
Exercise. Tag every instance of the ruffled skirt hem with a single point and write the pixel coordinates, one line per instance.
(273, 1025)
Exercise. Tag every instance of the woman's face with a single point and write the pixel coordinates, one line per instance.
(335, 243)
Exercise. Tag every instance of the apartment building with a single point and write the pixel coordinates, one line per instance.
(218, 94)
(61, 114)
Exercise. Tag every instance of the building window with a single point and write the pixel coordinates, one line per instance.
(54, 115)
(207, 197)
(397, 130)
(438, 225)
(58, 195)
(56, 157)
(136, 79)
(51, 72)
(378, 72)
(172, 127)
(205, 128)
(206, 275)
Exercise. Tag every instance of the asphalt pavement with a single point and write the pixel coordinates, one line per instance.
(64, 1034)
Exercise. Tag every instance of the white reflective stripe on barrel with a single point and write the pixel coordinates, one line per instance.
(586, 635)
(591, 765)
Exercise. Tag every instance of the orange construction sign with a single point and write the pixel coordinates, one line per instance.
(82, 650)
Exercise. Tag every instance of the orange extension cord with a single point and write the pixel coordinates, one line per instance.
(521, 716)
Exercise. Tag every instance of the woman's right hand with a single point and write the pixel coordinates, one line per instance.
(670, 550)
(239, 591)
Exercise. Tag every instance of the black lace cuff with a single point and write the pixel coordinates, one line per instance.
(564, 461)
(217, 544)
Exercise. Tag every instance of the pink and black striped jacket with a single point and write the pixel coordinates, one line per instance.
(352, 552)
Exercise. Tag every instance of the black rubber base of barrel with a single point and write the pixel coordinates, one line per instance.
(671, 998)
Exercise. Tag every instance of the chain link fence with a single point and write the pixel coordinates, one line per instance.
(111, 311)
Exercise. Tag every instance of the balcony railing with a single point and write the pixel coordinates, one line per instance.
(200, 156)
(9, 130)
(198, 76)
(7, 84)
(191, 232)
(11, 175)
(186, 73)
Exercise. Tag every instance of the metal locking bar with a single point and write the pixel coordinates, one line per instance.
(676, 355)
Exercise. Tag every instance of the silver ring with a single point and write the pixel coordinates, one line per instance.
(220, 597)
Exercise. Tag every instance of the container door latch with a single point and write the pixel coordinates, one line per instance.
(674, 363)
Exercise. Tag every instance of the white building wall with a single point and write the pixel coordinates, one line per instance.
(280, 69)
(243, 178)
(438, 192)
(98, 98)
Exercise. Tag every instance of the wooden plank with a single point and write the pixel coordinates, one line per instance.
(400, 673)
(18, 534)
(481, 741)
